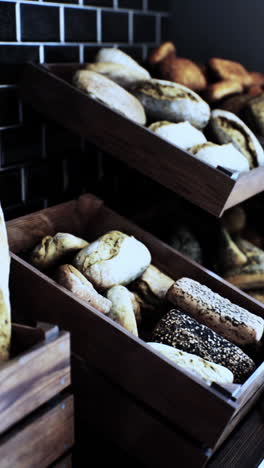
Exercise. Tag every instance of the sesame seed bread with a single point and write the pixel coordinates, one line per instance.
(123, 308)
(71, 279)
(229, 320)
(228, 128)
(181, 331)
(197, 366)
(165, 100)
(102, 89)
(181, 134)
(115, 55)
(226, 156)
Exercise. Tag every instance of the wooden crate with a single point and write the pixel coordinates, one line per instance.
(154, 389)
(36, 415)
(48, 88)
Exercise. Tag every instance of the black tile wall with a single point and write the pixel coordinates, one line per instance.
(41, 163)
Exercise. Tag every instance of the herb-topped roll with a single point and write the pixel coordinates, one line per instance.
(114, 258)
(179, 330)
(164, 100)
(124, 307)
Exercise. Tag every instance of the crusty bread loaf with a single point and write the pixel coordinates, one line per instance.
(184, 71)
(115, 55)
(115, 258)
(123, 307)
(51, 250)
(159, 53)
(71, 279)
(229, 320)
(197, 366)
(229, 254)
(228, 128)
(230, 70)
(221, 89)
(102, 89)
(226, 156)
(5, 308)
(181, 134)
(164, 100)
(181, 331)
(120, 74)
(153, 285)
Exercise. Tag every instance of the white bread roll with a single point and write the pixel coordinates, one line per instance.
(123, 308)
(102, 89)
(5, 308)
(182, 134)
(118, 56)
(120, 74)
(226, 156)
(196, 365)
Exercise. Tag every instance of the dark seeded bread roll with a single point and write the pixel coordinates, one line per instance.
(229, 320)
(183, 332)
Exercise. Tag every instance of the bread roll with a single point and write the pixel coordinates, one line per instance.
(226, 156)
(153, 285)
(182, 239)
(181, 134)
(115, 258)
(120, 74)
(228, 128)
(221, 89)
(111, 94)
(229, 254)
(71, 279)
(114, 55)
(230, 70)
(183, 332)
(183, 71)
(197, 366)
(51, 250)
(5, 308)
(159, 53)
(229, 320)
(234, 219)
(122, 309)
(254, 113)
(164, 100)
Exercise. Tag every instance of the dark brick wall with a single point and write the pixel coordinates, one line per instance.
(40, 163)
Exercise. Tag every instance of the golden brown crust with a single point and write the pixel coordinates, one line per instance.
(221, 89)
(257, 78)
(254, 90)
(159, 53)
(229, 70)
(183, 71)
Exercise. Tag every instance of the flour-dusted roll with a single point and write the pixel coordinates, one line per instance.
(102, 89)
(71, 279)
(197, 366)
(228, 128)
(226, 156)
(181, 134)
(123, 309)
(181, 331)
(153, 285)
(51, 250)
(164, 100)
(115, 258)
(229, 320)
(120, 74)
(119, 57)
(5, 308)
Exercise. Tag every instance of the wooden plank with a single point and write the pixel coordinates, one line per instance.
(32, 378)
(172, 167)
(65, 462)
(41, 440)
(126, 423)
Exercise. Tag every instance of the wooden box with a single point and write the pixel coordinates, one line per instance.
(36, 407)
(48, 88)
(123, 387)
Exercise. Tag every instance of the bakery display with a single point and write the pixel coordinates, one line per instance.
(123, 307)
(209, 308)
(102, 89)
(225, 155)
(5, 307)
(182, 134)
(197, 366)
(53, 249)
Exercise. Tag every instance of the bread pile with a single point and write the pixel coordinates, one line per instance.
(175, 105)
(196, 328)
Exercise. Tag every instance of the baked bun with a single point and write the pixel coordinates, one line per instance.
(102, 89)
(229, 70)
(52, 250)
(254, 113)
(181, 134)
(222, 89)
(153, 285)
(71, 279)
(228, 128)
(114, 55)
(159, 53)
(183, 71)
(181, 331)
(164, 100)
(195, 365)
(228, 320)
(115, 258)
(182, 239)
(120, 74)
(230, 256)
(5, 308)
(123, 308)
(234, 219)
(226, 156)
